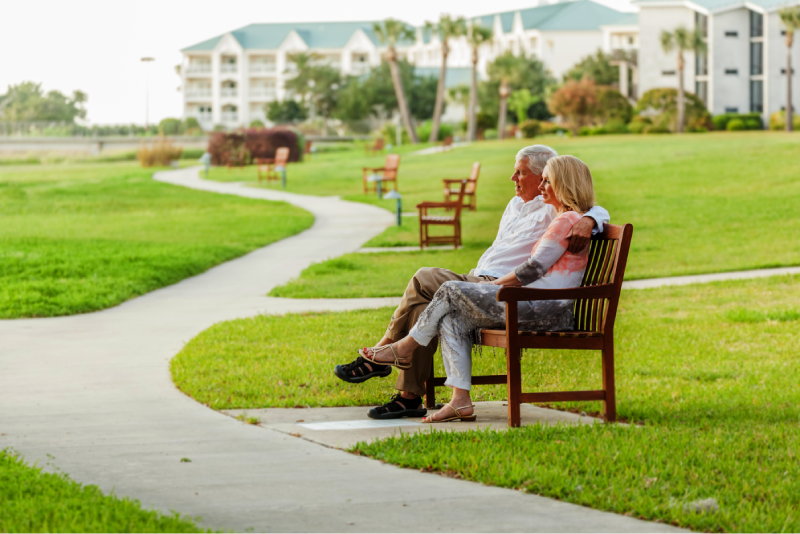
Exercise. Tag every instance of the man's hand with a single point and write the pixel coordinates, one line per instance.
(580, 235)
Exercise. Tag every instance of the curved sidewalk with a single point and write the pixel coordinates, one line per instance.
(95, 392)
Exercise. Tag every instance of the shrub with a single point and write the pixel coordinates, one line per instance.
(735, 125)
(252, 144)
(389, 133)
(192, 153)
(637, 127)
(665, 102)
(576, 102)
(490, 134)
(485, 121)
(256, 124)
(424, 131)
(777, 121)
(585, 130)
(191, 124)
(613, 106)
(721, 121)
(656, 129)
(530, 128)
(552, 128)
(615, 127)
(160, 152)
(170, 126)
(285, 112)
(697, 129)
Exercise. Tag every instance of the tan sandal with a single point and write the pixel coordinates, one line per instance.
(377, 350)
(462, 418)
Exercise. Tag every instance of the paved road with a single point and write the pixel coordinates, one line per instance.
(95, 392)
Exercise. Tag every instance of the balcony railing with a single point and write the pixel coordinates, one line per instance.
(198, 93)
(263, 68)
(199, 68)
(229, 68)
(230, 116)
(229, 92)
(262, 92)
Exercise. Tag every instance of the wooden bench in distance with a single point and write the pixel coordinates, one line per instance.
(377, 147)
(266, 166)
(426, 220)
(596, 304)
(389, 171)
(469, 192)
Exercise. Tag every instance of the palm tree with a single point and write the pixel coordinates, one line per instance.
(447, 28)
(682, 40)
(389, 32)
(476, 36)
(504, 68)
(790, 17)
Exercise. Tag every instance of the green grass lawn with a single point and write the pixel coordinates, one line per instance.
(711, 371)
(34, 501)
(79, 238)
(699, 203)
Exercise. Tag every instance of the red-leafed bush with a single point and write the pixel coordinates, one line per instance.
(245, 146)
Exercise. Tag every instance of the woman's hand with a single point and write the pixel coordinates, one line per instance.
(509, 280)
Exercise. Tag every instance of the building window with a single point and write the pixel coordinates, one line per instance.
(732, 72)
(756, 24)
(731, 34)
(701, 23)
(668, 73)
(701, 90)
(701, 64)
(731, 110)
(756, 59)
(756, 96)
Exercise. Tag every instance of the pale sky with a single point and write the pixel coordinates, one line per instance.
(96, 46)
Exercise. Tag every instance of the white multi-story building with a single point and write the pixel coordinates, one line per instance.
(744, 67)
(228, 79)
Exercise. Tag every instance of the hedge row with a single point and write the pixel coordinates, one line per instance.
(247, 145)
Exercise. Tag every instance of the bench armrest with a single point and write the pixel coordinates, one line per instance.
(454, 180)
(373, 169)
(516, 294)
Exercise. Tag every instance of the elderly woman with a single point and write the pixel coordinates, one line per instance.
(460, 309)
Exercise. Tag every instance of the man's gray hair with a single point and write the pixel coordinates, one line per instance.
(537, 155)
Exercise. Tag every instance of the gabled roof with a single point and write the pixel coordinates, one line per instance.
(576, 15)
(269, 36)
(726, 5)
(628, 19)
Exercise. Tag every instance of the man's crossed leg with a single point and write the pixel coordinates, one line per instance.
(410, 383)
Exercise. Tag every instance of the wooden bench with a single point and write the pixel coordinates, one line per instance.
(469, 193)
(596, 304)
(266, 166)
(389, 172)
(377, 147)
(426, 220)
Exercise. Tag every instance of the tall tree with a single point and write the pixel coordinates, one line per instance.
(682, 40)
(389, 32)
(505, 68)
(476, 37)
(790, 17)
(447, 28)
(597, 67)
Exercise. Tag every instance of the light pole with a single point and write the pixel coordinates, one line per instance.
(147, 92)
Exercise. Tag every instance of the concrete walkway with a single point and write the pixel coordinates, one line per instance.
(95, 392)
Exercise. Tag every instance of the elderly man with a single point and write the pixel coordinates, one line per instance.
(524, 221)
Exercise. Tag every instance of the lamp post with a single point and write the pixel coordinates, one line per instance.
(205, 159)
(147, 60)
(393, 194)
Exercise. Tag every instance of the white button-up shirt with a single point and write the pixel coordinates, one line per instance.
(522, 225)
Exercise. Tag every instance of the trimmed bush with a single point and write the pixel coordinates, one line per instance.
(777, 121)
(424, 131)
(753, 124)
(490, 134)
(552, 128)
(637, 127)
(721, 121)
(170, 126)
(735, 125)
(160, 153)
(530, 128)
(585, 130)
(251, 144)
(615, 127)
(657, 129)
(256, 124)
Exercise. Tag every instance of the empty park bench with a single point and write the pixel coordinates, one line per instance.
(388, 171)
(427, 219)
(268, 167)
(596, 304)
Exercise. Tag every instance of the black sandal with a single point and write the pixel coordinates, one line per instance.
(398, 407)
(362, 372)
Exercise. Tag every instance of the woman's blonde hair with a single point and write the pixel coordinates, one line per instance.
(572, 183)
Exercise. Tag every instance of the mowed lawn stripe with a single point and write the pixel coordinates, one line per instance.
(80, 238)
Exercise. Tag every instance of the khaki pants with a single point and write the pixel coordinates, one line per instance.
(416, 298)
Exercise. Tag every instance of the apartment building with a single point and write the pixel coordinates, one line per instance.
(228, 79)
(744, 67)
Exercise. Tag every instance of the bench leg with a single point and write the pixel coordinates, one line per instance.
(514, 385)
(610, 404)
(430, 392)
